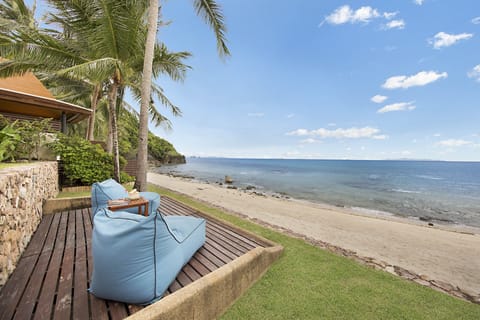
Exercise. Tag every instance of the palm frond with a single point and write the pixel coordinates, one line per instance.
(211, 12)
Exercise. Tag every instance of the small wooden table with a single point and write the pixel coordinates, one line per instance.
(141, 202)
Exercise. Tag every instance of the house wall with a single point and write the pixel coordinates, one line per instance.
(55, 124)
(23, 189)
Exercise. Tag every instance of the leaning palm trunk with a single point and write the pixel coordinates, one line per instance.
(112, 101)
(142, 157)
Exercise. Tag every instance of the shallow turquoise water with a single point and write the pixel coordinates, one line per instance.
(445, 192)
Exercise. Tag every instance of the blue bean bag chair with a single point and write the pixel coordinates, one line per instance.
(136, 258)
(111, 190)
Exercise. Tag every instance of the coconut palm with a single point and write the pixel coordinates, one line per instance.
(100, 43)
(211, 12)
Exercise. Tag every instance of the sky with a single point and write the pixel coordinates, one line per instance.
(328, 80)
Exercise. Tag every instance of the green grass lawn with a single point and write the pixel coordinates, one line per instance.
(311, 283)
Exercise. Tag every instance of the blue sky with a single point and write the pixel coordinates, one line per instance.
(329, 80)
(302, 76)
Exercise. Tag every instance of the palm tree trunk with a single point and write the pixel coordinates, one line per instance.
(112, 101)
(110, 133)
(93, 106)
(142, 156)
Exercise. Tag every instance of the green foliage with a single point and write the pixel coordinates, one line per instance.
(310, 283)
(22, 138)
(160, 148)
(125, 177)
(9, 139)
(33, 134)
(84, 163)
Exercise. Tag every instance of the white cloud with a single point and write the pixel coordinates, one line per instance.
(256, 114)
(345, 14)
(291, 115)
(395, 24)
(389, 15)
(476, 20)
(350, 133)
(420, 79)
(443, 39)
(380, 137)
(418, 2)
(309, 141)
(378, 98)
(454, 143)
(331, 124)
(400, 106)
(475, 73)
(437, 134)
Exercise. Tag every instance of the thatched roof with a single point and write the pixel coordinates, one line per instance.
(26, 95)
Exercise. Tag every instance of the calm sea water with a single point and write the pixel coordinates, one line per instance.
(445, 192)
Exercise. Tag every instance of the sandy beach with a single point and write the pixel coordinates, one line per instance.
(439, 254)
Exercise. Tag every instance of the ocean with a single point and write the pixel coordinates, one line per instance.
(433, 191)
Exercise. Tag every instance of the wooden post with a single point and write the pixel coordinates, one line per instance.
(63, 122)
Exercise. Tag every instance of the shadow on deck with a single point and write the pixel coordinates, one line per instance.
(53, 274)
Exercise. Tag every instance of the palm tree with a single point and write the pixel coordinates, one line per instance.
(211, 12)
(101, 43)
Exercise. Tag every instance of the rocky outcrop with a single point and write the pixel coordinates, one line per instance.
(169, 159)
(23, 190)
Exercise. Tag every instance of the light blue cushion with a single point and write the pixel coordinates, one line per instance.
(136, 258)
(111, 190)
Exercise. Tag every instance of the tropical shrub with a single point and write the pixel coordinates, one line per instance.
(22, 138)
(9, 139)
(83, 162)
(33, 134)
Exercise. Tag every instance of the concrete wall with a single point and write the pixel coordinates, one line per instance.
(23, 189)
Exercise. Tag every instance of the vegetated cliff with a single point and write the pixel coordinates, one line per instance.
(160, 151)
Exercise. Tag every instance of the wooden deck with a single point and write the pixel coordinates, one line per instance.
(53, 274)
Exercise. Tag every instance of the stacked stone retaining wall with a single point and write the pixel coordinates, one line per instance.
(23, 189)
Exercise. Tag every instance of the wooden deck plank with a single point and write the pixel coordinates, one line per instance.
(64, 267)
(13, 290)
(117, 310)
(47, 295)
(232, 247)
(80, 280)
(29, 298)
(209, 260)
(198, 266)
(39, 237)
(174, 286)
(64, 296)
(224, 247)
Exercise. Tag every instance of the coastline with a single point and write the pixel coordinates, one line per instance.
(440, 253)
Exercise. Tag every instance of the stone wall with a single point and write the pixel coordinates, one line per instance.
(23, 189)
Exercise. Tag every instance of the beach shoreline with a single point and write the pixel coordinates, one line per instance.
(439, 254)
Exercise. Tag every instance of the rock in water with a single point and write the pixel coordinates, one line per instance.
(228, 180)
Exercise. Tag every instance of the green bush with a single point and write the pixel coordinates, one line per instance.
(33, 134)
(9, 139)
(22, 138)
(83, 163)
